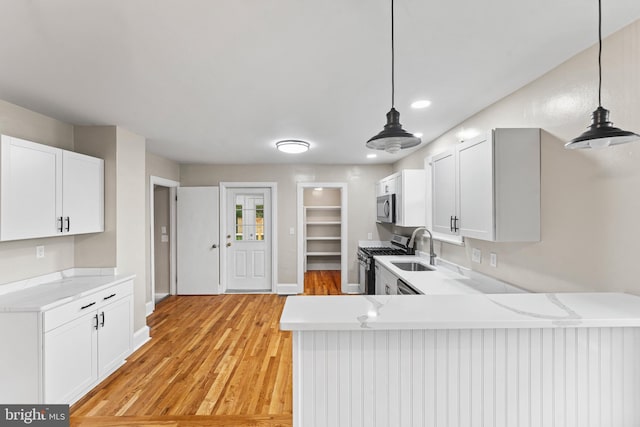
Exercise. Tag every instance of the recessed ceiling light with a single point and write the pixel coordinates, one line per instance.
(292, 146)
(423, 103)
(318, 189)
(371, 156)
(418, 134)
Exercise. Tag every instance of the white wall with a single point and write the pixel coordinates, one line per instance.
(590, 198)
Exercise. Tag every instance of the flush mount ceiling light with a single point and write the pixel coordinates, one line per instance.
(393, 138)
(292, 146)
(601, 133)
(423, 103)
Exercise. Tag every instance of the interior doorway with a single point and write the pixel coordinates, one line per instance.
(162, 249)
(162, 240)
(322, 231)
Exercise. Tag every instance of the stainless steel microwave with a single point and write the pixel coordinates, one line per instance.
(386, 208)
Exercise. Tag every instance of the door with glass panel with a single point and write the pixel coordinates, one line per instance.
(248, 239)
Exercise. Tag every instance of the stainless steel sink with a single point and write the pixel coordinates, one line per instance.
(413, 266)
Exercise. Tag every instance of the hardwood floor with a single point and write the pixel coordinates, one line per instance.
(212, 361)
(323, 282)
(218, 357)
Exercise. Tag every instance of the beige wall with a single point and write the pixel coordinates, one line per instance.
(18, 259)
(360, 191)
(162, 249)
(590, 198)
(130, 216)
(99, 249)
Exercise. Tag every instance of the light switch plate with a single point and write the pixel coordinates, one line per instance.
(292, 231)
(163, 230)
(164, 238)
(369, 236)
(476, 255)
(493, 259)
(39, 251)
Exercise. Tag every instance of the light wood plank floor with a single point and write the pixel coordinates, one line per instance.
(212, 361)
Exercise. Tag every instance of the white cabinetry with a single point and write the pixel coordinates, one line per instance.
(386, 185)
(82, 193)
(46, 191)
(488, 188)
(386, 281)
(409, 187)
(65, 351)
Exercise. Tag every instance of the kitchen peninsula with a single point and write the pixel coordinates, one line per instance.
(571, 359)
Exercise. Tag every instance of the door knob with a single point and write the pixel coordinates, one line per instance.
(228, 236)
(214, 246)
(228, 244)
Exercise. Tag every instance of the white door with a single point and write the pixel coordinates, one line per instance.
(198, 241)
(248, 239)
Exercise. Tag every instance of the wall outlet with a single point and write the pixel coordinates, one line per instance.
(39, 251)
(493, 259)
(476, 255)
(369, 236)
(292, 231)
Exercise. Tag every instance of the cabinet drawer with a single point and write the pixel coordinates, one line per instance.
(67, 312)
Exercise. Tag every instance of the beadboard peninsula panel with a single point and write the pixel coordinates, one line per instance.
(468, 377)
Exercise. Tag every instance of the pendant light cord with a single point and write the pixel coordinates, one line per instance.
(393, 89)
(599, 53)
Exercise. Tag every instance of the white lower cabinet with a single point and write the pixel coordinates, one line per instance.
(70, 359)
(78, 345)
(386, 281)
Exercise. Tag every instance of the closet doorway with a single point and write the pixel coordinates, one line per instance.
(322, 230)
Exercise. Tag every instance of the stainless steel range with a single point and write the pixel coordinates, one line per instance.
(398, 245)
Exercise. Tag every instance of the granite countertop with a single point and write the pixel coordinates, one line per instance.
(462, 311)
(52, 294)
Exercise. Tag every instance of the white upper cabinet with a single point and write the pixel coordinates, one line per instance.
(46, 191)
(82, 193)
(488, 188)
(408, 186)
(30, 200)
(410, 197)
(444, 181)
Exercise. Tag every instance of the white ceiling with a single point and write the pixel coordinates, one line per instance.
(220, 81)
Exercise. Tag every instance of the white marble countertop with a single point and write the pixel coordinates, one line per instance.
(52, 294)
(447, 279)
(467, 311)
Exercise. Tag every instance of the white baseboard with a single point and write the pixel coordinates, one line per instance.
(140, 337)
(351, 288)
(149, 307)
(287, 289)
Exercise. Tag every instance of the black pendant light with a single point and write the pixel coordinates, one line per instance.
(601, 133)
(393, 138)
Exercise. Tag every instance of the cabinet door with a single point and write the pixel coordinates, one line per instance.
(83, 193)
(114, 335)
(476, 192)
(444, 192)
(70, 355)
(30, 196)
